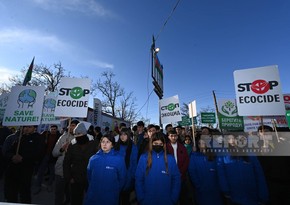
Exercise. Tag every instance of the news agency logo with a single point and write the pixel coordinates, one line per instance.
(267, 144)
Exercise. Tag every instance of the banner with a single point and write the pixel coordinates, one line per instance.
(208, 117)
(228, 115)
(187, 121)
(24, 106)
(258, 91)
(251, 123)
(73, 97)
(170, 110)
(49, 105)
(97, 112)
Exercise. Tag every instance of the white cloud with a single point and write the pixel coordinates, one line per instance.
(83, 6)
(101, 64)
(5, 73)
(17, 36)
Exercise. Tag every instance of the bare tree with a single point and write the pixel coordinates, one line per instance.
(42, 75)
(4, 88)
(184, 109)
(128, 107)
(116, 101)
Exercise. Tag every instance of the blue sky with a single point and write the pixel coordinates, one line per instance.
(202, 44)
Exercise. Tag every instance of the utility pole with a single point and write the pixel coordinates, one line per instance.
(216, 107)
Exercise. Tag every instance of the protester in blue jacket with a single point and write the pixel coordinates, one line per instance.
(106, 174)
(241, 177)
(129, 151)
(157, 179)
(203, 175)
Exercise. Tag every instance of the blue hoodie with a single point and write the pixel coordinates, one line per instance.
(158, 187)
(242, 180)
(203, 175)
(130, 177)
(106, 177)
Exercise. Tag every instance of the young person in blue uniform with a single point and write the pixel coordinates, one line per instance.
(157, 179)
(106, 173)
(129, 151)
(203, 175)
(241, 177)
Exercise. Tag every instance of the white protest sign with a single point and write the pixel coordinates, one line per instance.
(73, 97)
(3, 104)
(49, 105)
(24, 106)
(258, 91)
(192, 109)
(170, 110)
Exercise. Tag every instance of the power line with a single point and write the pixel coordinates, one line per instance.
(167, 19)
(145, 102)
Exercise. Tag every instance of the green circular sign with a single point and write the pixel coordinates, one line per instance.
(76, 92)
(171, 107)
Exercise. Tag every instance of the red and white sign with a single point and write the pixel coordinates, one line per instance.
(287, 101)
(258, 91)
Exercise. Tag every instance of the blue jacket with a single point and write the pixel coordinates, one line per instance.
(242, 180)
(106, 177)
(130, 177)
(158, 187)
(203, 175)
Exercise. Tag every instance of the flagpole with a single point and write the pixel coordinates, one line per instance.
(217, 110)
(275, 129)
(19, 139)
(27, 78)
(193, 128)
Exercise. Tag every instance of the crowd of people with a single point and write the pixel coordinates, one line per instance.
(138, 165)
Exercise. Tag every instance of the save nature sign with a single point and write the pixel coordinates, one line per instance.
(258, 91)
(73, 97)
(49, 105)
(24, 106)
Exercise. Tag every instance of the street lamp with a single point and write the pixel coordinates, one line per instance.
(156, 50)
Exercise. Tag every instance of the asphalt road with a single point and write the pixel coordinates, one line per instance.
(43, 198)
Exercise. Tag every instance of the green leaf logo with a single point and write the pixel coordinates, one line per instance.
(171, 107)
(229, 109)
(76, 92)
